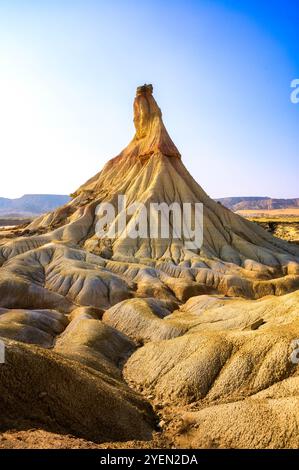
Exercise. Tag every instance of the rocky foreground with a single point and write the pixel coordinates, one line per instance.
(143, 342)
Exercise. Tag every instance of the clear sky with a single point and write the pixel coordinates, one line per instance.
(221, 71)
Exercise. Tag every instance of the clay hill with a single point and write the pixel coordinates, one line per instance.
(144, 340)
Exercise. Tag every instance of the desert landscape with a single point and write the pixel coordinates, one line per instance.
(142, 342)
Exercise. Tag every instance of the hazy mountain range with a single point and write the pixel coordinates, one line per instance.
(31, 204)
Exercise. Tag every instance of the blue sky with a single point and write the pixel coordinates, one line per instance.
(221, 71)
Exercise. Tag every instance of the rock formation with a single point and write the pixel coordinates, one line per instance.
(205, 332)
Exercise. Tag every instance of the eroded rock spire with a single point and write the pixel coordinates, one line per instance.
(151, 134)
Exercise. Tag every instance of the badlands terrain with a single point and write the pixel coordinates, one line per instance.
(143, 342)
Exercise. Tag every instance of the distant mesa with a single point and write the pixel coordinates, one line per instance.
(258, 203)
